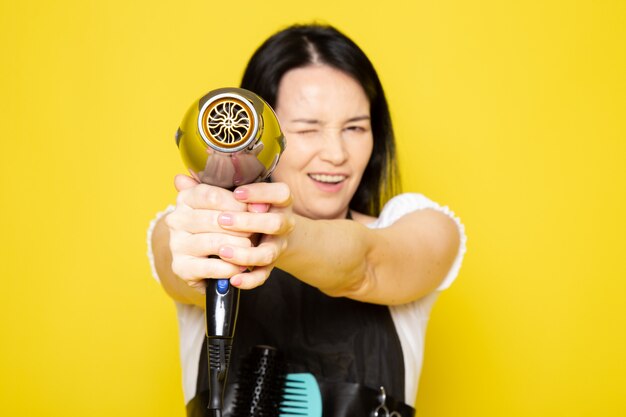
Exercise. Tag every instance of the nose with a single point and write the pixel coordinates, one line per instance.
(333, 148)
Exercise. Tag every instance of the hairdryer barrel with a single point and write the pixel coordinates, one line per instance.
(229, 137)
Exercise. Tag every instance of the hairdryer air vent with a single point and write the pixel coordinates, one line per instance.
(226, 122)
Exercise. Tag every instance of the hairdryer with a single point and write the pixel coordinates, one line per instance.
(229, 137)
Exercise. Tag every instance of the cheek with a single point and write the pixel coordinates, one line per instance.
(362, 152)
(279, 173)
(293, 160)
(287, 166)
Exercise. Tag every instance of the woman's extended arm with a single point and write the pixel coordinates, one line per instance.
(393, 265)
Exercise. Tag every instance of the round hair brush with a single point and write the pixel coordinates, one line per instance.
(260, 383)
(229, 137)
(265, 389)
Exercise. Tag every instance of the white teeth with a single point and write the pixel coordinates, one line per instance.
(328, 178)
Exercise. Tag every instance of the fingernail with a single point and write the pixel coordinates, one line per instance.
(258, 207)
(236, 281)
(226, 252)
(241, 193)
(225, 219)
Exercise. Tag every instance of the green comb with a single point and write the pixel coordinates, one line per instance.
(301, 396)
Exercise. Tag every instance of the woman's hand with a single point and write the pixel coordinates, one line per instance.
(269, 213)
(195, 236)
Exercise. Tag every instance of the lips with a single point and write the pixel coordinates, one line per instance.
(328, 178)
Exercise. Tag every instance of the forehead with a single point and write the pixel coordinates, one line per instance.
(320, 91)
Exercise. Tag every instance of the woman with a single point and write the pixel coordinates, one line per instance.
(343, 279)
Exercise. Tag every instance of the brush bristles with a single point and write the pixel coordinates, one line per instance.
(260, 384)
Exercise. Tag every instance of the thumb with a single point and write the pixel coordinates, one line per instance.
(182, 182)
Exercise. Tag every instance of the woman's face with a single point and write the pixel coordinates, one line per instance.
(325, 116)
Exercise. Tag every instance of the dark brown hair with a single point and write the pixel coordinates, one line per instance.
(302, 45)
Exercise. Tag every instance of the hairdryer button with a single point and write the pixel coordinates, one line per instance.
(222, 286)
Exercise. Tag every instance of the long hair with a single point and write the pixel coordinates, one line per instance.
(302, 45)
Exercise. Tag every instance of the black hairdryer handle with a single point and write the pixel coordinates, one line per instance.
(222, 305)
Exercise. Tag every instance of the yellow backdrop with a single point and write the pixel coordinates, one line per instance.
(511, 113)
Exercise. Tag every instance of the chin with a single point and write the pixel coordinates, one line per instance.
(324, 213)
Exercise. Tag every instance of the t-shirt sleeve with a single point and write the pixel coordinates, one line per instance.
(409, 202)
(153, 223)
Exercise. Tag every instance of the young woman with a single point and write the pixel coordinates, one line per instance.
(343, 278)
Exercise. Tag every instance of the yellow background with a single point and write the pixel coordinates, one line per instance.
(511, 113)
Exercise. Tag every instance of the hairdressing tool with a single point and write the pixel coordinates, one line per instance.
(301, 396)
(229, 137)
(259, 383)
(264, 389)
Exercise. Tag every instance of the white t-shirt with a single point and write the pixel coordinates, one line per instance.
(410, 319)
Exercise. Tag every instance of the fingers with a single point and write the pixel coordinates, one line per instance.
(194, 270)
(266, 223)
(210, 220)
(196, 221)
(205, 244)
(265, 254)
(252, 279)
(182, 182)
(192, 260)
(258, 207)
(192, 221)
(203, 196)
(198, 206)
(276, 194)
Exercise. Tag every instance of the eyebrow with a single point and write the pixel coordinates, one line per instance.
(315, 121)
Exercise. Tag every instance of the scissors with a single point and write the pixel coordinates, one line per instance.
(382, 410)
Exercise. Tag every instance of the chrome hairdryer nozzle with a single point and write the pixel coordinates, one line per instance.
(229, 137)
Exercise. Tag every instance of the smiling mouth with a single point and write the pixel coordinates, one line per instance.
(327, 179)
